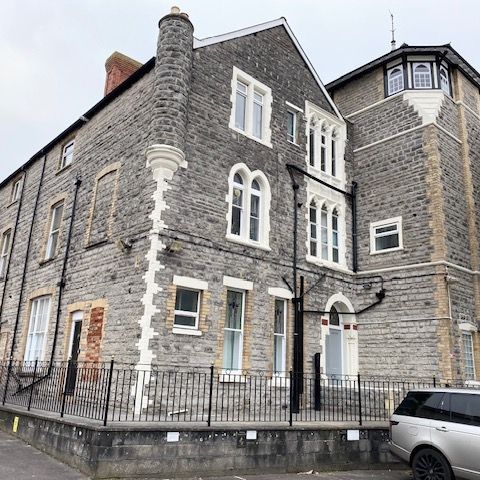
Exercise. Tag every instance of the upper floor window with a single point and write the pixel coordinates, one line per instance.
(422, 75)
(325, 221)
(251, 107)
(56, 215)
(280, 338)
(16, 189)
(444, 80)
(249, 205)
(37, 329)
(292, 126)
(395, 80)
(67, 154)
(4, 252)
(386, 235)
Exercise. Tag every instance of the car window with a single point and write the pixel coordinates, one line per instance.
(465, 408)
(421, 404)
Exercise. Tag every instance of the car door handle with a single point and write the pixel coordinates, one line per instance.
(441, 429)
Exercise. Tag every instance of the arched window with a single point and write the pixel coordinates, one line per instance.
(334, 317)
(313, 228)
(444, 81)
(237, 205)
(324, 231)
(422, 75)
(248, 207)
(255, 201)
(395, 80)
(335, 246)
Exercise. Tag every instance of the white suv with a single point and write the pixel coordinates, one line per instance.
(438, 432)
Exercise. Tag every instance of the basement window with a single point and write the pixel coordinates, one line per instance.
(386, 235)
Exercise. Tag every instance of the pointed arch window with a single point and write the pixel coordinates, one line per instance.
(422, 75)
(395, 80)
(249, 204)
(311, 146)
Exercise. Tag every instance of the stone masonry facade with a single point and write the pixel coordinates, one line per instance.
(148, 201)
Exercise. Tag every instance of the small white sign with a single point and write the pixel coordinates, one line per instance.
(353, 435)
(173, 436)
(251, 434)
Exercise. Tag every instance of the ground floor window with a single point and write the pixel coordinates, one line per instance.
(280, 339)
(468, 356)
(37, 329)
(233, 331)
(187, 308)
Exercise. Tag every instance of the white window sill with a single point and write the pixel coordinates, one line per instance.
(262, 141)
(235, 376)
(328, 264)
(293, 143)
(62, 169)
(186, 331)
(248, 243)
(387, 250)
(326, 177)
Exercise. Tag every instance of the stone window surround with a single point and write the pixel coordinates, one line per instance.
(252, 86)
(65, 144)
(16, 190)
(54, 202)
(6, 229)
(265, 200)
(318, 120)
(114, 167)
(199, 286)
(384, 223)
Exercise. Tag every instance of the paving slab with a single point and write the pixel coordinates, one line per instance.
(20, 461)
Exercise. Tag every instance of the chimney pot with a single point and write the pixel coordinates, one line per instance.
(174, 10)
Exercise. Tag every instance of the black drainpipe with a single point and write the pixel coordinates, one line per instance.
(354, 228)
(62, 282)
(14, 236)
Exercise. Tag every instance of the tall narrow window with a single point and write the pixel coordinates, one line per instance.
(444, 81)
(67, 154)
(240, 105)
(324, 232)
(54, 231)
(335, 246)
(323, 151)
(16, 188)
(237, 204)
(311, 147)
(395, 80)
(280, 340)
(233, 331)
(313, 229)
(292, 126)
(255, 199)
(333, 153)
(37, 329)
(422, 75)
(257, 114)
(4, 252)
(468, 356)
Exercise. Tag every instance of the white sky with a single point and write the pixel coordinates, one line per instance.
(53, 51)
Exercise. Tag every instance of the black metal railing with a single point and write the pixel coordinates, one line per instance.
(113, 392)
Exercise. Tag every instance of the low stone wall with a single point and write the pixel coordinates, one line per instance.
(171, 450)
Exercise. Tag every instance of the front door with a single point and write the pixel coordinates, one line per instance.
(334, 352)
(74, 352)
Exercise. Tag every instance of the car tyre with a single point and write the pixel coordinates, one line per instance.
(429, 464)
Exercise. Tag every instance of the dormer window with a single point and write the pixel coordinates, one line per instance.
(395, 80)
(422, 75)
(444, 80)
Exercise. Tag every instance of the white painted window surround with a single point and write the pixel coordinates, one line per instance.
(248, 212)
(386, 236)
(237, 283)
(189, 282)
(251, 107)
(468, 355)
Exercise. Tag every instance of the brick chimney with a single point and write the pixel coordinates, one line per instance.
(119, 67)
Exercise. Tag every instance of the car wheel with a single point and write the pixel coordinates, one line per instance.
(428, 464)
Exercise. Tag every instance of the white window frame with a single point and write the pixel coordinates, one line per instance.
(429, 67)
(5, 251)
(386, 223)
(468, 356)
(447, 76)
(67, 157)
(253, 86)
(283, 371)
(248, 177)
(390, 83)
(33, 331)
(51, 248)
(187, 313)
(16, 189)
(292, 137)
(235, 372)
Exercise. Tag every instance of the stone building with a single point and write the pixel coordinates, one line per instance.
(163, 227)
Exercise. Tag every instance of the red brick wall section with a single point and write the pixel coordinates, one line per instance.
(118, 67)
(94, 335)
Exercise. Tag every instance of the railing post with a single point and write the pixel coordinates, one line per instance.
(65, 382)
(8, 379)
(434, 381)
(33, 384)
(359, 400)
(109, 389)
(210, 395)
(290, 421)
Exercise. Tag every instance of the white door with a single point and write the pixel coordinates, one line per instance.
(334, 345)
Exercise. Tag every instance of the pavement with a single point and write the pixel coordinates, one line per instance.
(20, 461)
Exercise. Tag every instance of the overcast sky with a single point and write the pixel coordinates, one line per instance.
(53, 51)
